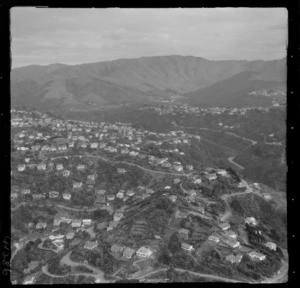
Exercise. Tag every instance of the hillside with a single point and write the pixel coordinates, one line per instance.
(144, 79)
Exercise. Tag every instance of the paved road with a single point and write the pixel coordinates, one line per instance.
(230, 159)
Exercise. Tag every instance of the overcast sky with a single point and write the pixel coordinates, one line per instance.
(73, 36)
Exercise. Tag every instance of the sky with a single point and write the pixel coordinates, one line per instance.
(72, 36)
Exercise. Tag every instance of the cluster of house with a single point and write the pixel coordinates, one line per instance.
(127, 252)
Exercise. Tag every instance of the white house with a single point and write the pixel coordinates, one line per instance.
(21, 167)
(214, 238)
(256, 255)
(144, 252)
(187, 247)
(66, 196)
(251, 220)
(271, 245)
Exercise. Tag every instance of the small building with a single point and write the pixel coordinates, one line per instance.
(121, 170)
(183, 233)
(173, 198)
(41, 225)
(86, 222)
(186, 247)
(66, 173)
(211, 176)
(21, 167)
(100, 191)
(53, 194)
(100, 199)
(41, 167)
(25, 191)
(256, 255)
(178, 168)
(77, 185)
(117, 248)
(90, 245)
(224, 226)
(118, 216)
(144, 252)
(29, 279)
(214, 238)
(130, 193)
(67, 196)
(251, 221)
(231, 234)
(232, 242)
(223, 173)
(234, 258)
(111, 197)
(128, 252)
(59, 167)
(76, 223)
(271, 245)
(120, 195)
(70, 235)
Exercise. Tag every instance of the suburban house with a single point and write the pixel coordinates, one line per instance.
(53, 194)
(144, 252)
(37, 196)
(224, 226)
(187, 247)
(100, 191)
(189, 167)
(121, 170)
(211, 176)
(271, 245)
(14, 195)
(120, 195)
(100, 199)
(77, 184)
(110, 197)
(66, 173)
(66, 196)
(41, 225)
(59, 167)
(183, 233)
(90, 245)
(176, 181)
(128, 252)
(80, 167)
(214, 238)
(251, 221)
(223, 173)
(118, 216)
(41, 167)
(256, 255)
(76, 223)
(25, 191)
(173, 198)
(117, 248)
(232, 242)
(21, 167)
(86, 222)
(178, 168)
(234, 258)
(231, 234)
(29, 279)
(181, 214)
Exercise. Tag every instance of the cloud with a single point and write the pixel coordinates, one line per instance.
(89, 35)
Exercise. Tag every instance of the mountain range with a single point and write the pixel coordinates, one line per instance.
(196, 80)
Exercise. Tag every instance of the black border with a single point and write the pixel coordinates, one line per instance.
(293, 103)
